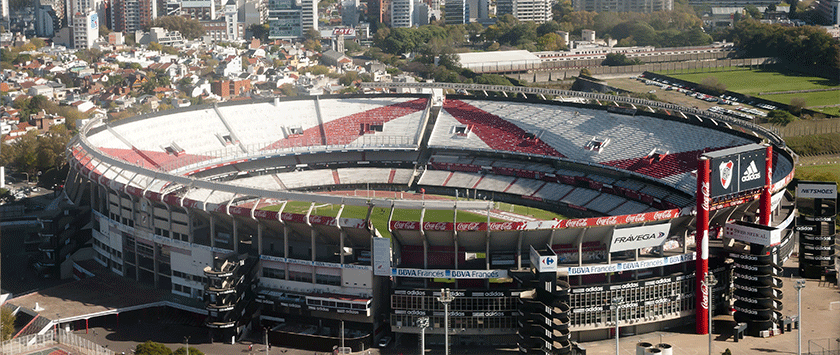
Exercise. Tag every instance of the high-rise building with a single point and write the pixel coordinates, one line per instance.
(253, 12)
(830, 10)
(132, 15)
(623, 5)
(49, 17)
(4, 10)
(402, 13)
(85, 29)
(538, 11)
(202, 10)
(231, 21)
(422, 13)
(375, 9)
(284, 20)
(350, 13)
(309, 15)
(456, 12)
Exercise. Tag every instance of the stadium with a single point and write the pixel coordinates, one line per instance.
(314, 214)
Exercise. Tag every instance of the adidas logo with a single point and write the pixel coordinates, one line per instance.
(751, 173)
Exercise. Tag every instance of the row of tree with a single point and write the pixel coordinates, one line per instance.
(803, 45)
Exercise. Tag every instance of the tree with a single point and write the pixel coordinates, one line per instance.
(38, 42)
(260, 31)
(796, 105)
(152, 348)
(780, 117)
(619, 59)
(713, 85)
(154, 46)
(183, 351)
(312, 34)
(7, 320)
(189, 28)
(753, 12)
(288, 90)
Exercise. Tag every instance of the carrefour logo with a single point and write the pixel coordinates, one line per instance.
(548, 261)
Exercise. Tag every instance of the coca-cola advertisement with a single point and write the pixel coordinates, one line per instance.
(322, 220)
(170, 199)
(405, 225)
(263, 214)
(190, 203)
(133, 190)
(293, 217)
(505, 226)
(437, 226)
(240, 211)
(352, 223)
(471, 226)
(154, 196)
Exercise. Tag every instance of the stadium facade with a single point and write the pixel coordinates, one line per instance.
(263, 211)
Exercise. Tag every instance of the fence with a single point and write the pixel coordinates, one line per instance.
(34, 342)
(809, 127)
(829, 346)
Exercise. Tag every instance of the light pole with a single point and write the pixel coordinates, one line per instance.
(423, 323)
(616, 301)
(709, 284)
(342, 335)
(799, 285)
(446, 298)
(266, 341)
(187, 344)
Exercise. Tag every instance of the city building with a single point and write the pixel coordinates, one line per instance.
(308, 15)
(132, 15)
(202, 10)
(49, 18)
(623, 5)
(422, 13)
(231, 21)
(350, 13)
(284, 20)
(402, 13)
(376, 10)
(829, 10)
(456, 12)
(253, 12)
(85, 29)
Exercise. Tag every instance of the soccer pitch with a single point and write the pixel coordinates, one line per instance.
(770, 84)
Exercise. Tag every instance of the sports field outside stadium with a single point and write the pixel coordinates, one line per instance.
(773, 85)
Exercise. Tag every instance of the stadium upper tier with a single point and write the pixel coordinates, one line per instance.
(245, 149)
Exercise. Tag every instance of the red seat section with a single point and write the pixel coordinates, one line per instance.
(495, 131)
(668, 165)
(153, 160)
(347, 129)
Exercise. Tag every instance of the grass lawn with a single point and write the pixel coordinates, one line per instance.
(826, 172)
(834, 111)
(379, 216)
(753, 82)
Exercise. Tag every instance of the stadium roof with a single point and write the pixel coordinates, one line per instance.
(506, 57)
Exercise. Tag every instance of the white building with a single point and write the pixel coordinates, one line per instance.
(538, 11)
(85, 29)
(402, 13)
(231, 23)
(309, 15)
(422, 13)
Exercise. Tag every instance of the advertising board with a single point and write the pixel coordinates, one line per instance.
(817, 190)
(737, 169)
(753, 233)
(639, 237)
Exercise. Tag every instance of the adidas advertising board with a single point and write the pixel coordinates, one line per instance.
(639, 237)
(737, 169)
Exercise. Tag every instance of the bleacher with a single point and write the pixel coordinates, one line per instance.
(261, 124)
(564, 131)
(434, 177)
(525, 187)
(193, 131)
(604, 203)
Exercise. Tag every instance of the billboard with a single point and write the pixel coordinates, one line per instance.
(543, 262)
(639, 237)
(817, 190)
(753, 233)
(381, 256)
(737, 169)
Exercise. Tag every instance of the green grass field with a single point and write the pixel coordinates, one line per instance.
(826, 172)
(379, 216)
(753, 82)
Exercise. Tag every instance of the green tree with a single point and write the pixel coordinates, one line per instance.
(183, 351)
(154, 46)
(260, 31)
(189, 28)
(780, 117)
(7, 320)
(348, 78)
(38, 42)
(713, 85)
(288, 90)
(152, 348)
(753, 12)
(619, 59)
(796, 105)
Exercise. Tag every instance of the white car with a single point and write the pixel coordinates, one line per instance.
(384, 341)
